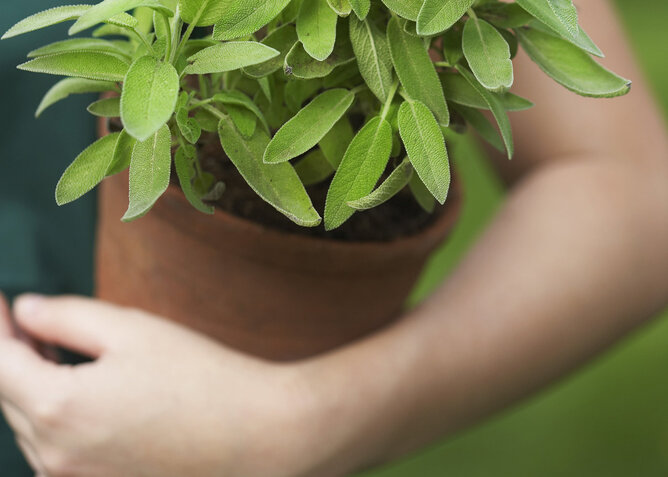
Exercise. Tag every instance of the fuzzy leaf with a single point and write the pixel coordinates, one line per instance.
(87, 170)
(409, 9)
(150, 170)
(488, 55)
(341, 7)
(77, 44)
(559, 15)
(416, 70)
(336, 141)
(422, 194)
(149, 96)
(364, 163)
(396, 181)
(108, 9)
(497, 108)
(361, 8)
(202, 13)
(309, 126)
(373, 56)
(582, 40)
(436, 16)
(282, 40)
(46, 18)
(481, 124)
(460, 91)
(106, 108)
(314, 168)
(243, 119)
(237, 98)
(122, 155)
(425, 146)
(79, 64)
(64, 88)
(185, 170)
(301, 65)
(229, 56)
(241, 19)
(570, 66)
(277, 184)
(316, 29)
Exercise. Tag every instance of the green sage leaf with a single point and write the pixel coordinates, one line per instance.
(570, 66)
(426, 148)
(87, 170)
(364, 162)
(122, 155)
(241, 19)
(106, 108)
(282, 40)
(409, 9)
(496, 107)
(421, 194)
(316, 29)
(108, 9)
(185, 170)
(314, 168)
(488, 55)
(80, 64)
(336, 141)
(46, 18)
(277, 184)
(150, 170)
(202, 13)
(68, 86)
(396, 181)
(460, 91)
(373, 56)
(77, 44)
(341, 7)
(416, 70)
(229, 56)
(149, 96)
(309, 126)
(361, 8)
(436, 16)
(560, 15)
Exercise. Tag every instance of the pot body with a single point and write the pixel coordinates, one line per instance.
(275, 295)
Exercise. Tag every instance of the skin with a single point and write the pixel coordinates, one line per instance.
(575, 260)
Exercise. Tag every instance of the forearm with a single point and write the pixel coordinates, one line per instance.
(576, 259)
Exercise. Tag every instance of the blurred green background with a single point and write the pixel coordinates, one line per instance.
(611, 418)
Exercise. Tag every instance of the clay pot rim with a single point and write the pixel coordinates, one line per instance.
(429, 237)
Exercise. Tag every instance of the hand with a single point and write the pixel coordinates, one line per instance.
(158, 400)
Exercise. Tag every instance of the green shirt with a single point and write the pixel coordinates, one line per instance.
(44, 248)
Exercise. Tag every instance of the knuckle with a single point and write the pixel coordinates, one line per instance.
(49, 412)
(58, 464)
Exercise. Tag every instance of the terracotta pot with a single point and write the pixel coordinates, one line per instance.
(272, 294)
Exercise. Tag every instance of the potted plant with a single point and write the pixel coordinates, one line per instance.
(291, 153)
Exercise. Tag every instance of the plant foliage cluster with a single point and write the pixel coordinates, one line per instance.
(362, 92)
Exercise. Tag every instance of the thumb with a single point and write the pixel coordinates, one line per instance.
(82, 325)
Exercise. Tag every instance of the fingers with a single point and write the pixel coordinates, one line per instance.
(31, 456)
(24, 375)
(17, 420)
(86, 326)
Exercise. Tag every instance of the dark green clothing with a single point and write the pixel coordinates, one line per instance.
(43, 248)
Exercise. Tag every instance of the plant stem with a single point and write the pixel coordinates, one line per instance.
(219, 114)
(168, 27)
(390, 98)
